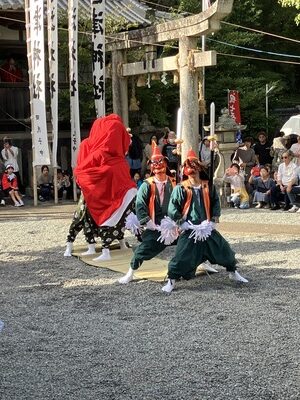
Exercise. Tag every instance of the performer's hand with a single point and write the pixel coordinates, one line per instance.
(185, 226)
(151, 225)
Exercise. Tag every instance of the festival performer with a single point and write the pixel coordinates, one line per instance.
(151, 207)
(82, 220)
(103, 176)
(195, 207)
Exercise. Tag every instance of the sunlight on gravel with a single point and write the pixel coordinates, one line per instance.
(88, 282)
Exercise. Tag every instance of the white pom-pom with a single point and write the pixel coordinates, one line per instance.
(168, 231)
(203, 231)
(133, 224)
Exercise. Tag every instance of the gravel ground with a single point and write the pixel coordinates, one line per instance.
(71, 332)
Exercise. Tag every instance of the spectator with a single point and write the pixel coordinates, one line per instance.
(10, 186)
(135, 155)
(169, 150)
(45, 184)
(204, 152)
(164, 140)
(63, 185)
(147, 174)
(262, 149)
(295, 149)
(9, 72)
(245, 157)
(293, 192)
(137, 179)
(277, 149)
(9, 154)
(262, 187)
(239, 195)
(2, 169)
(286, 179)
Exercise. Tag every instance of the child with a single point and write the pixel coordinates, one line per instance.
(10, 186)
(262, 187)
(239, 195)
(137, 179)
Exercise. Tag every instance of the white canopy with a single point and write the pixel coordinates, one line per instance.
(292, 126)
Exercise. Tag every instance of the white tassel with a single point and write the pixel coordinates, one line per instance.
(203, 231)
(133, 224)
(168, 231)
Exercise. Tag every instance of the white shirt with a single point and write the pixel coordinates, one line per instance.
(295, 148)
(161, 189)
(286, 173)
(11, 159)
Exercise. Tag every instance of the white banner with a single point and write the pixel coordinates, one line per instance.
(98, 38)
(53, 73)
(73, 67)
(37, 54)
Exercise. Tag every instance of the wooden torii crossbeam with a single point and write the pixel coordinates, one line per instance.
(186, 31)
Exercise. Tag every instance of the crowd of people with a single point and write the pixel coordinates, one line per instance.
(12, 189)
(265, 175)
(262, 174)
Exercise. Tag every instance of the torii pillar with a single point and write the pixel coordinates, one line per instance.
(186, 31)
(188, 90)
(119, 86)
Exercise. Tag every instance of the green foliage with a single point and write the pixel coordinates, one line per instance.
(292, 3)
(159, 102)
(249, 75)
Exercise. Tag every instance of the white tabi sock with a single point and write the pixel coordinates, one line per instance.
(91, 250)
(122, 244)
(104, 256)
(169, 286)
(127, 278)
(235, 276)
(68, 252)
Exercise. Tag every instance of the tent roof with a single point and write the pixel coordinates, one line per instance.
(132, 10)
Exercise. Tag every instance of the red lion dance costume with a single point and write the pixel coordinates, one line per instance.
(103, 175)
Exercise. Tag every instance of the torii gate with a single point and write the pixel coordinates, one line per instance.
(186, 31)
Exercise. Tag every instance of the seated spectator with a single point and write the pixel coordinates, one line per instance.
(277, 149)
(10, 186)
(295, 149)
(245, 157)
(293, 192)
(239, 195)
(63, 184)
(262, 187)
(137, 179)
(2, 201)
(45, 184)
(286, 179)
(2, 169)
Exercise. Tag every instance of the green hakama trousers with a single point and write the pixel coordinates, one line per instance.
(190, 254)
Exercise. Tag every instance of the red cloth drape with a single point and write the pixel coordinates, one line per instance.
(102, 171)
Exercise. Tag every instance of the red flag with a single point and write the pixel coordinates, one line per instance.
(234, 105)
